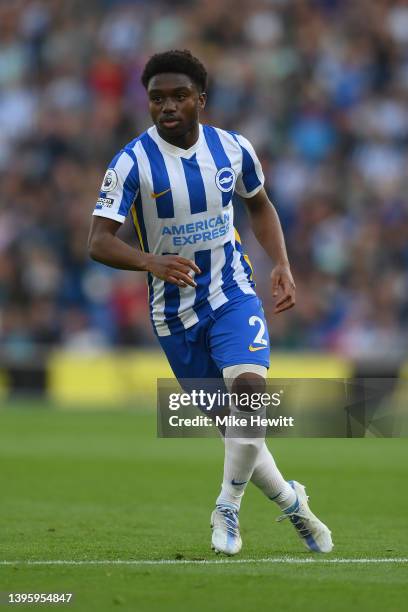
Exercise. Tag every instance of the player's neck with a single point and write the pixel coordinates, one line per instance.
(185, 141)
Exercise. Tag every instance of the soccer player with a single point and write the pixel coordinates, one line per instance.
(177, 181)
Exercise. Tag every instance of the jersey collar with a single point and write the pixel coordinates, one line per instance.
(171, 149)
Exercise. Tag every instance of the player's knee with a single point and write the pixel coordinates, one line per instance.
(246, 382)
(231, 372)
(247, 388)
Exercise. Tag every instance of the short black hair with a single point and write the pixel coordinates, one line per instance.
(177, 61)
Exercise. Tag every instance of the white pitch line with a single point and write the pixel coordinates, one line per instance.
(135, 562)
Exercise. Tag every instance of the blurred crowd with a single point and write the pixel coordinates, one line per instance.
(320, 87)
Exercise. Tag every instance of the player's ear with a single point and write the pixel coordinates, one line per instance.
(202, 99)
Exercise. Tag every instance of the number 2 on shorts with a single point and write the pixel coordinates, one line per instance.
(259, 339)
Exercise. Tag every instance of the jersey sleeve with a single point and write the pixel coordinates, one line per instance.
(251, 178)
(119, 188)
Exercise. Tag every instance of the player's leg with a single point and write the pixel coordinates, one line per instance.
(240, 334)
(239, 345)
(268, 478)
(242, 445)
(229, 345)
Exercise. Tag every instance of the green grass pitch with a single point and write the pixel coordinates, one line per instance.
(89, 486)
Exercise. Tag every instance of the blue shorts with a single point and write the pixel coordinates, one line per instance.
(235, 333)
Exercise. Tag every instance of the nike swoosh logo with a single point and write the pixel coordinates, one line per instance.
(158, 195)
(256, 348)
(237, 484)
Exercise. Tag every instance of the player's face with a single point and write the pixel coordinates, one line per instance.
(175, 104)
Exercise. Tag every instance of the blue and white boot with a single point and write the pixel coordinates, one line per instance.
(225, 530)
(315, 535)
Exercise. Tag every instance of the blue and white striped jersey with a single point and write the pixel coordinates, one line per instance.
(181, 203)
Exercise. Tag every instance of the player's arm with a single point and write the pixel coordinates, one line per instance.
(268, 231)
(107, 248)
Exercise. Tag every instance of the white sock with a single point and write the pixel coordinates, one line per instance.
(239, 461)
(267, 477)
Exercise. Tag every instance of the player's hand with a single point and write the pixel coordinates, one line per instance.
(173, 269)
(283, 286)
